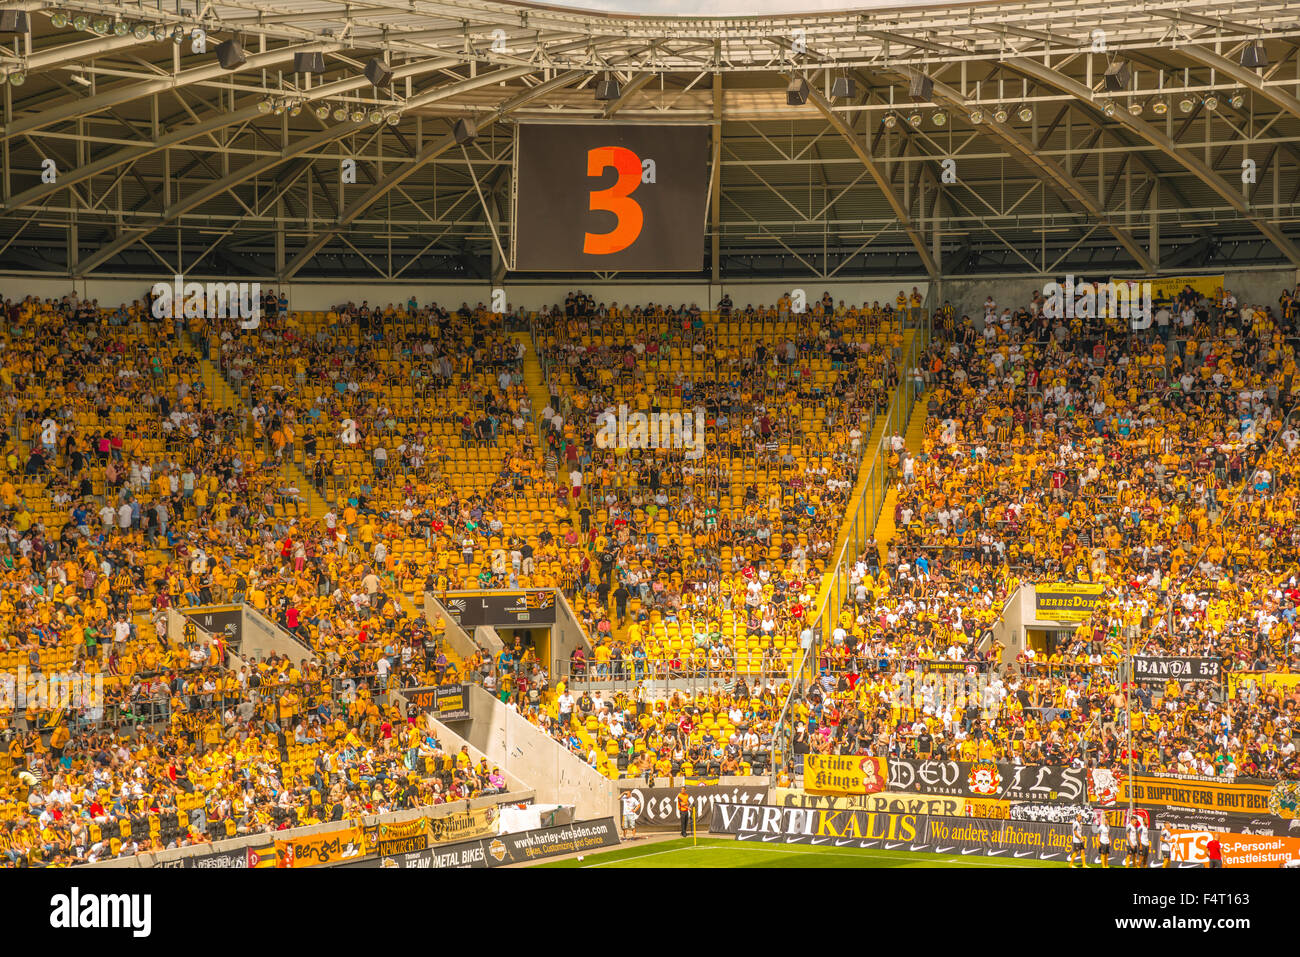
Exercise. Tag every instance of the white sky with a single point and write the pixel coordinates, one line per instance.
(736, 8)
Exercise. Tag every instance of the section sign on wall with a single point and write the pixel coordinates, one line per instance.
(602, 197)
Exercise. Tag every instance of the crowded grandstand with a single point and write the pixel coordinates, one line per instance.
(305, 562)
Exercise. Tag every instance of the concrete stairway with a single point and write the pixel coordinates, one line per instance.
(225, 396)
(534, 380)
(913, 438)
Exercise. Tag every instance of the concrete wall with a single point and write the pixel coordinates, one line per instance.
(319, 296)
(566, 635)
(263, 637)
(515, 745)
(456, 636)
(967, 295)
(260, 839)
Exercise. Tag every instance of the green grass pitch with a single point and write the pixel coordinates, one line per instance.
(725, 852)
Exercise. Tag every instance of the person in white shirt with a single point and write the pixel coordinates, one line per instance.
(1103, 840)
(630, 807)
(1131, 836)
(1144, 844)
(1076, 842)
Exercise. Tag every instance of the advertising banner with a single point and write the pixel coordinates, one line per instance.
(903, 832)
(547, 842)
(522, 847)
(1041, 784)
(1155, 670)
(389, 840)
(224, 620)
(447, 702)
(1236, 850)
(833, 774)
(897, 802)
(1065, 601)
(1239, 796)
(1199, 819)
(501, 609)
(1283, 684)
(658, 806)
(315, 850)
(462, 825)
(610, 197)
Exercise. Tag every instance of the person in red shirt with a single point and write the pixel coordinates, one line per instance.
(1214, 852)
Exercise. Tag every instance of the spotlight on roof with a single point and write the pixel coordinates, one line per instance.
(796, 94)
(81, 22)
(939, 118)
(357, 116)
(915, 118)
(1000, 114)
(379, 73)
(1025, 113)
(323, 111)
(1118, 76)
(230, 54)
(465, 131)
(1160, 107)
(264, 105)
(1253, 56)
(1212, 102)
(340, 114)
(1237, 101)
(141, 31)
(890, 121)
(102, 25)
(376, 117)
(1135, 108)
(920, 88)
(1186, 103)
(309, 62)
(58, 19)
(844, 88)
(1108, 110)
(121, 28)
(18, 78)
(607, 88)
(15, 22)
(977, 116)
(394, 118)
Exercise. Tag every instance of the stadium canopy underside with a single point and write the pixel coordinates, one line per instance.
(1018, 157)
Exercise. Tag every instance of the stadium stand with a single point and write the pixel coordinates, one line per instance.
(332, 467)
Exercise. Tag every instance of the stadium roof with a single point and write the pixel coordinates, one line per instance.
(164, 160)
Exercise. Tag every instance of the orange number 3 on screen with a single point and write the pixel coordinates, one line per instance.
(617, 199)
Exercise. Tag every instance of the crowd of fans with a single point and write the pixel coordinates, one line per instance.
(1162, 466)
(329, 468)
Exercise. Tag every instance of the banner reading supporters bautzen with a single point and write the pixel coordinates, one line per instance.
(989, 779)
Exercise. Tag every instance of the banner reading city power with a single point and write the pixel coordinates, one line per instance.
(1236, 850)
(895, 802)
(890, 832)
(610, 197)
(1065, 601)
(833, 774)
(1239, 796)
(1040, 784)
